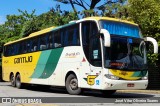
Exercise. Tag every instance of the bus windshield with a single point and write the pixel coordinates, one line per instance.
(126, 53)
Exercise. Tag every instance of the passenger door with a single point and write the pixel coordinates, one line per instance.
(92, 52)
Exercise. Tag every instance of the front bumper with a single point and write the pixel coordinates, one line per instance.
(124, 84)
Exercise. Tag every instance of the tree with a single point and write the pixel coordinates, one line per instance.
(91, 8)
(146, 14)
(12, 28)
(82, 3)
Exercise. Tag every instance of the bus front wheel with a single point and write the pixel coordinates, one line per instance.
(72, 85)
(18, 81)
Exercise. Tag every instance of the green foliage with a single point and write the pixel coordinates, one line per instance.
(12, 28)
(146, 14)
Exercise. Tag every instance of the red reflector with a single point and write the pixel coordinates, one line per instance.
(130, 85)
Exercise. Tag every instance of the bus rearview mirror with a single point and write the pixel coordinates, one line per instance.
(154, 42)
(107, 37)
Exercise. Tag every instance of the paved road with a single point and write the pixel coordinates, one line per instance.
(60, 95)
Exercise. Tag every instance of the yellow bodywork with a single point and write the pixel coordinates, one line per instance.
(25, 69)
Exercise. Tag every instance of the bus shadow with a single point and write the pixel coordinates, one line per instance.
(119, 95)
(62, 90)
(49, 89)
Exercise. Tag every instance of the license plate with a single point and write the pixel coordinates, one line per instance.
(130, 85)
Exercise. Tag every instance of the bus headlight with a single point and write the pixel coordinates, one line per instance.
(145, 78)
(111, 77)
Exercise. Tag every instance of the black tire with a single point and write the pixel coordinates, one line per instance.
(18, 81)
(72, 85)
(12, 80)
(108, 93)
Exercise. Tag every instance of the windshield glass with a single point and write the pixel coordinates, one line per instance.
(126, 53)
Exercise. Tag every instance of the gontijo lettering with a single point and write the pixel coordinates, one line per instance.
(23, 60)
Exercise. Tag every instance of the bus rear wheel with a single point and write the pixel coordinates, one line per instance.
(72, 85)
(108, 93)
(18, 81)
(12, 79)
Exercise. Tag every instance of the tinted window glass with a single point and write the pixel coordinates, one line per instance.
(34, 44)
(44, 42)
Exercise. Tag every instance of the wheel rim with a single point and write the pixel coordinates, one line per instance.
(17, 81)
(74, 84)
(12, 80)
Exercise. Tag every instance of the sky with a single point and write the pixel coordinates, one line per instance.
(10, 7)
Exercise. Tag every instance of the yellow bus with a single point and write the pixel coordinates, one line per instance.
(99, 53)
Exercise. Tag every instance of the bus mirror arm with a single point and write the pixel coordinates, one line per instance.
(153, 41)
(107, 37)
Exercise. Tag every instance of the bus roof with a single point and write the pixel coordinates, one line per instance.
(54, 27)
(40, 32)
(33, 34)
(110, 19)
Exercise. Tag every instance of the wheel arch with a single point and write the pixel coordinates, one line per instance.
(11, 75)
(72, 72)
(17, 74)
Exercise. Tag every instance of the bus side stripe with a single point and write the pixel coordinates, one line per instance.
(52, 63)
(139, 74)
(41, 64)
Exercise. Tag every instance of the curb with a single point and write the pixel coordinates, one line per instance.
(140, 91)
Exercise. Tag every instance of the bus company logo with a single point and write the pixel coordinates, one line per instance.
(123, 73)
(23, 60)
(91, 79)
(72, 55)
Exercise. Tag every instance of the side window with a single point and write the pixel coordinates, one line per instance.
(34, 44)
(85, 38)
(85, 33)
(24, 47)
(15, 48)
(21, 47)
(28, 46)
(57, 39)
(94, 29)
(8, 50)
(95, 46)
(71, 36)
(51, 40)
(44, 42)
(95, 51)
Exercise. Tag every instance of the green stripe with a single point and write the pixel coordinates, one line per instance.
(41, 64)
(63, 26)
(52, 63)
(139, 74)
